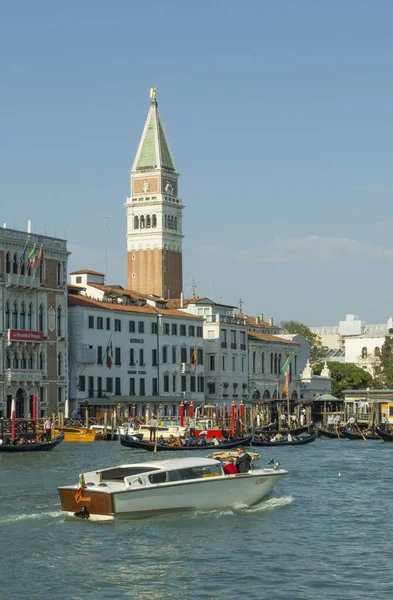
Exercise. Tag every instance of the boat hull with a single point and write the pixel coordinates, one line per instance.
(387, 437)
(300, 442)
(36, 447)
(78, 434)
(228, 491)
(151, 447)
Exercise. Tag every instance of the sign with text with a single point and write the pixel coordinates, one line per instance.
(22, 335)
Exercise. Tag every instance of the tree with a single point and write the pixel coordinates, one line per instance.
(383, 370)
(317, 349)
(346, 376)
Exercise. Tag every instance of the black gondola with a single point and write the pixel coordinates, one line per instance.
(336, 434)
(387, 437)
(299, 442)
(359, 436)
(33, 447)
(150, 446)
(297, 431)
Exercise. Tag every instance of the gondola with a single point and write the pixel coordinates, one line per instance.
(297, 431)
(358, 436)
(336, 434)
(151, 446)
(298, 442)
(387, 437)
(33, 447)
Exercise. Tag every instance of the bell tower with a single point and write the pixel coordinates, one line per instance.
(154, 215)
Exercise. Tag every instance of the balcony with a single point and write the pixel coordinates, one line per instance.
(24, 281)
(22, 375)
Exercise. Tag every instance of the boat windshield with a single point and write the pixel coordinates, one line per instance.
(185, 474)
(118, 473)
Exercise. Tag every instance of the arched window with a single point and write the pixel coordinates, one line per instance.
(15, 362)
(266, 394)
(7, 360)
(271, 363)
(28, 269)
(364, 352)
(275, 363)
(166, 221)
(154, 221)
(294, 394)
(295, 365)
(175, 224)
(136, 222)
(8, 263)
(142, 222)
(59, 364)
(22, 267)
(15, 264)
(30, 364)
(279, 364)
(7, 316)
(41, 318)
(29, 316)
(15, 316)
(41, 362)
(59, 329)
(23, 362)
(263, 362)
(377, 352)
(59, 273)
(254, 362)
(148, 221)
(275, 394)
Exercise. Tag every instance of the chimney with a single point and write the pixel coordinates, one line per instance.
(271, 321)
(260, 318)
(181, 300)
(29, 226)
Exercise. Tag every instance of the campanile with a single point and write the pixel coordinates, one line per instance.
(154, 215)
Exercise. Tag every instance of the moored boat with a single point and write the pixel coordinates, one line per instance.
(387, 437)
(300, 441)
(167, 485)
(336, 434)
(152, 447)
(78, 434)
(353, 435)
(32, 446)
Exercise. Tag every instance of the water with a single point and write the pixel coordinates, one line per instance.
(319, 535)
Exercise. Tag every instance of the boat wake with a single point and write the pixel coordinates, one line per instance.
(27, 517)
(270, 504)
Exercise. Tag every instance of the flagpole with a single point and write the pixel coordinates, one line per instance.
(288, 417)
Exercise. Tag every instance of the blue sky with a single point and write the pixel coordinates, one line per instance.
(279, 116)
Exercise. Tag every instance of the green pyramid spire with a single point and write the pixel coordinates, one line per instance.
(154, 151)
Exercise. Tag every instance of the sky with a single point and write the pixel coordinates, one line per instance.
(279, 118)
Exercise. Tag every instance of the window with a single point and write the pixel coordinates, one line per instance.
(59, 322)
(59, 273)
(233, 339)
(91, 387)
(377, 352)
(132, 386)
(295, 365)
(99, 355)
(42, 362)
(108, 323)
(233, 363)
(183, 354)
(141, 358)
(142, 389)
(191, 330)
(254, 362)
(141, 327)
(212, 362)
(31, 361)
(183, 383)
(136, 222)
(99, 387)
(118, 386)
(173, 383)
(200, 356)
(23, 363)
(109, 385)
(154, 386)
(192, 383)
(148, 221)
(59, 364)
(174, 329)
(154, 358)
(131, 326)
(166, 383)
(23, 317)
(154, 328)
(8, 263)
(7, 360)
(7, 315)
(211, 387)
(243, 363)
(15, 316)
(118, 357)
(174, 354)
(154, 221)
(117, 325)
(132, 359)
(79, 280)
(263, 362)
(183, 330)
(91, 322)
(242, 340)
(41, 318)
(223, 338)
(224, 363)
(201, 384)
(15, 264)
(165, 328)
(100, 323)
(364, 352)
(199, 331)
(30, 317)
(271, 363)
(165, 354)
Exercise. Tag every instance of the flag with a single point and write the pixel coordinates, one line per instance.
(40, 257)
(287, 369)
(109, 355)
(272, 462)
(32, 255)
(194, 358)
(81, 481)
(23, 255)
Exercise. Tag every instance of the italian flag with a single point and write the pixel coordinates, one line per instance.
(109, 355)
(32, 255)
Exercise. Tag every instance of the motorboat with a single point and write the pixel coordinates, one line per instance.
(165, 430)
(117, 432)
(78, 434)
(138, 489)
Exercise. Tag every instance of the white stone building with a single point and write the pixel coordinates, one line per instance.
(33, 323)
(315, 385)
(157, 351)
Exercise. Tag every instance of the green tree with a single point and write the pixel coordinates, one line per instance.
(346, 376)
(317, 349)
(383, 370)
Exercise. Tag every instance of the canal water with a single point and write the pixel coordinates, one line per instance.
(325, 532)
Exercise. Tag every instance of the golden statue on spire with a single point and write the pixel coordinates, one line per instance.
(153, 93)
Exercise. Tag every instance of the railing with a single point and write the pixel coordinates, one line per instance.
(22, 280)
(22, 375)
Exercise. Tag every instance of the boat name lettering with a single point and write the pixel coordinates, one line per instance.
(80, 498)
(260, 481)
(136, 341)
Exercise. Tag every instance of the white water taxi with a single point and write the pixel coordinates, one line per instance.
(165, 485)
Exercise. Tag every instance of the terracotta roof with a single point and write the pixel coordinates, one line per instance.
(268, 337)
(118, 289)
(87, 272)
(84, 301)
(176, 302)
(256, 321)
(71, 286)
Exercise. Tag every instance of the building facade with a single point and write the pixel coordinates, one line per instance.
(33, 322)
(154, 215)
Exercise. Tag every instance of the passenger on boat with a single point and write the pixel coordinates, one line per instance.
(243, 461)
(230, 468)
(289, 438)
(171, 440)
(276, 438)
(215, 441)
(161, 440)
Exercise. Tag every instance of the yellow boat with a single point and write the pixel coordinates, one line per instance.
(78, 434)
